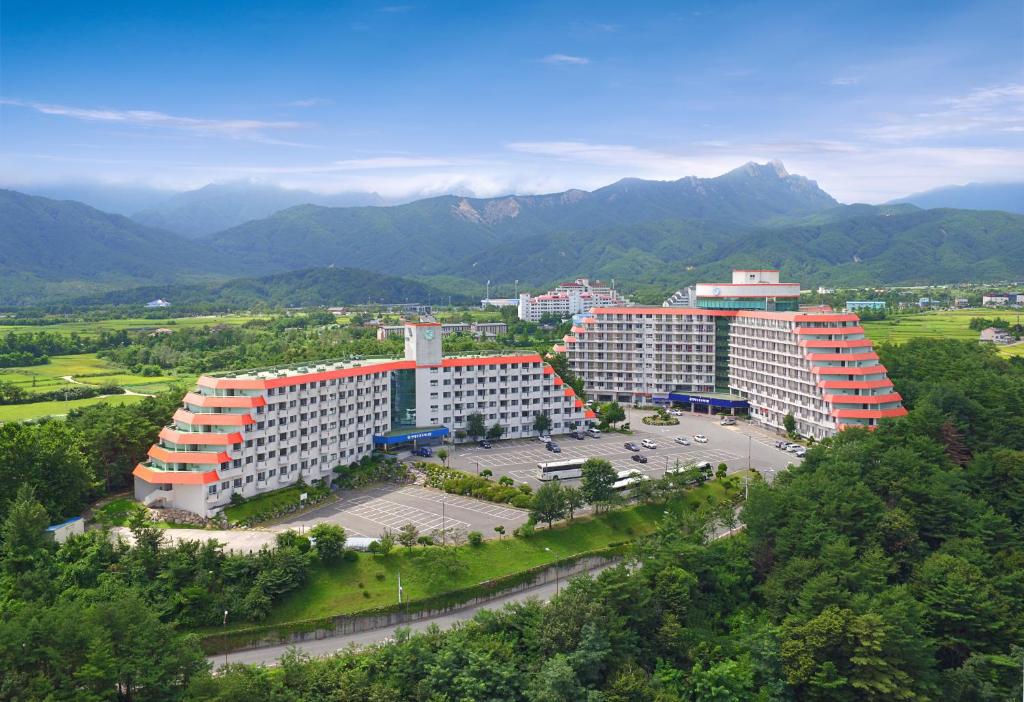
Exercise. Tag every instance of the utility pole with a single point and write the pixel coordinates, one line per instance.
(750, 443)
(399, 587)
(224, 637)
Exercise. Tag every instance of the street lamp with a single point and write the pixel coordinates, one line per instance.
(224, 637)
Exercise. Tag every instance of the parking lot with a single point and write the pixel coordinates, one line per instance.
(736, 446)
(370, 511)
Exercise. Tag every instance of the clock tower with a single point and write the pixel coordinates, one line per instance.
(423, 343)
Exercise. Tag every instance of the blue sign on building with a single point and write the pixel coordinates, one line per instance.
(411, 435)
(709, 400)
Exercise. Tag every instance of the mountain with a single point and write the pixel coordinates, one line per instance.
(846, 245)
(306, 288)
(425, 236)
(63, 247)
(1008, 197)
(109, 197)
(223, 205)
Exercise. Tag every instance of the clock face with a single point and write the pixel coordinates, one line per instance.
(428, 334)
(716, 291)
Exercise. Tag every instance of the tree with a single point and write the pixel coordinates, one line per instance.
(475, 427)
(385, 543)
(789, 422)
(612, 413)
(50, 457)
(330, 541)
(442, 455)
(642, 490)
(721, 471)
(500, 530)
(541, 423)
(407, 535)
(23, 543)
(597, 480)
(574, 500)
(495, 432)
(556, 682)
(549, 503)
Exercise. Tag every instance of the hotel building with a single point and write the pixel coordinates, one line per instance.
(568, 299)
(743, 345)
(254, 431)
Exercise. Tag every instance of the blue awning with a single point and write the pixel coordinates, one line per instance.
(399, 437)
(725, 402)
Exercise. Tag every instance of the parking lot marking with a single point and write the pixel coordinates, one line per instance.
(394, 515)
(472, 505)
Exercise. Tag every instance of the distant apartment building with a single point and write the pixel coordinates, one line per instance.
(961, 303)
(684, 297)
(568, 299)
(995, 335)
(477, 329)
(1002, 299)
(159, 302)
(871, 305)
(744, 345)
(499, 302)
(251, 432)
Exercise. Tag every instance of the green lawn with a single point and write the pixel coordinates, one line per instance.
(268, 501)
(93, 328)
(35, 410)
(115, 512)
(340, 588)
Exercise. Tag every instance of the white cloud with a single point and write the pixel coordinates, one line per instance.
(309, 102)
(845, 81)
(989, 110)
(566, 60)
(244, 129)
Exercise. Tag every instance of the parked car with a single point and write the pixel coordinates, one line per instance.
(554, 448)
(648, 443)
(551, 446)
(682, 441)
(800, 452)
(630, 446)
(793, 448)
(593, 432)
(700, 438)
(544, 439)
(704, 466)
(728, 421)
(639, 458)
(423, 451)
(781, 445)
(676, 412)
(579, 435)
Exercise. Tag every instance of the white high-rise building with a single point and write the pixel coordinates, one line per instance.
(742, 345)
(251, 432)
(568, 299)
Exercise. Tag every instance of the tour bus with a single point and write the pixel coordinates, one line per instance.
(560, 470)
(628, 478)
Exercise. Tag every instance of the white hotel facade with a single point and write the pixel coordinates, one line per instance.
(255, 431)
(568, 299)
(744, 345)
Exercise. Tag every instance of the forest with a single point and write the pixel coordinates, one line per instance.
(888, 566)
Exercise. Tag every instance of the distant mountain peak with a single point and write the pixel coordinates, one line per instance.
(773, 168)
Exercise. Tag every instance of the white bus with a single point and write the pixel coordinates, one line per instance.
(560, 470)
(628, 478)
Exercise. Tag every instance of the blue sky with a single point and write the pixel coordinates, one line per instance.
(872, 99)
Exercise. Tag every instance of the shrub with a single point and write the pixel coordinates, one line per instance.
(522, 501)
(525, 531)
(475, 538)
(350, 556)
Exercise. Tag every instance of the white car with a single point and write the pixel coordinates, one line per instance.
(676, 412)
(700, 438)
(682, 441)
(544, 439)
(800, 452)
(647, 443)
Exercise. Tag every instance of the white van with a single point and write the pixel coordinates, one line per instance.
(593, 432)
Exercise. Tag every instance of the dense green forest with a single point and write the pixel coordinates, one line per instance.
(889, 566)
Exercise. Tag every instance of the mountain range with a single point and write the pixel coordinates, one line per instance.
(655, 233)
(1008, 197)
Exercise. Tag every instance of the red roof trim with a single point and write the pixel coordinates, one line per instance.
(175, 477)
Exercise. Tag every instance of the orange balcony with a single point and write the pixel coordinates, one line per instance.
(235, 401)
(869, 413)
(155, 476)
(187, 417)
(202, 439)
(194, 457)
(863, 399)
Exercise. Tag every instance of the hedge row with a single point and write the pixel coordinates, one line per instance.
(457, 482)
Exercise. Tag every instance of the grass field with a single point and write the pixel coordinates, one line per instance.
(85, 368)
(371, 581)
(947, 324)
(93, 328)
(35, 410)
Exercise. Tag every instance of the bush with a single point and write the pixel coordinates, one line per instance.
(525, 531)
(350, 556)
(522, 501)
(369, 470)
(475, 538)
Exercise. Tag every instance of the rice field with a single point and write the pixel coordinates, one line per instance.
(947, 324)
(95, 327)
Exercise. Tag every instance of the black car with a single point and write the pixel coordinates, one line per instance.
(485, 444)
(639, 458)
(552, 446)
(555, 448)
(579, 436)
(630, 446)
